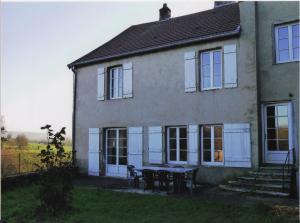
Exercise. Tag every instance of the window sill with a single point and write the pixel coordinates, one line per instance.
(177, 162)
(211, 89)
(116, 99)
(213, 164)
(284, 62)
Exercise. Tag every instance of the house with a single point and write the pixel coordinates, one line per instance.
(218, 89)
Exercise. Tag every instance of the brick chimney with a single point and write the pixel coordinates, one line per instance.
(164, 13)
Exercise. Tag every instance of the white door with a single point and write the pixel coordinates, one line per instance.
(116, 152)
(277, 132)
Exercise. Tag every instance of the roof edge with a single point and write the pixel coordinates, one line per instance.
(156, 48)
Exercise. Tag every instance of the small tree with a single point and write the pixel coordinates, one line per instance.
(21, 140)
(56, 180)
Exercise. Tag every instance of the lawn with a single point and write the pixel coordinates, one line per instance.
(96, 205)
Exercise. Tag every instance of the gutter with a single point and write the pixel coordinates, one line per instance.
(156, 48)
(74, 116)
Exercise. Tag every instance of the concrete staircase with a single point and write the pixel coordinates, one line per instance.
(267, 180)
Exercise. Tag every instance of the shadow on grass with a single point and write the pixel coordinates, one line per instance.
(98, 205)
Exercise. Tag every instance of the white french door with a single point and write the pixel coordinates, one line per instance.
(278, 137)
(116, 152)
(212, 145)
(177, 145)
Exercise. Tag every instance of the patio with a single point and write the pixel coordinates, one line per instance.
(204, 192)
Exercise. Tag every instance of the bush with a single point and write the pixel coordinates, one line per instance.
(21, 140)
(55, 189)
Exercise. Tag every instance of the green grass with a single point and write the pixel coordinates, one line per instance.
(21, 160)
(92, 205)
(32, 147)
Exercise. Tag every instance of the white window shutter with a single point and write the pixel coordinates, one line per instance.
(237, 145)
(190, 71)
(155, 144)
(230, 66)
(94, 159)
(193, 145)
(100, 83)
(135, 146)
(127, 80)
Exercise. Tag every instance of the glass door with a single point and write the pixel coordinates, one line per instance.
(277, 132)
(116, 152)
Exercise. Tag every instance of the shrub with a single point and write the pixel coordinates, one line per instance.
(55, 189)
(21, 140)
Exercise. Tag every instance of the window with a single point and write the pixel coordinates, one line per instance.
(177, 144)
(116, 144)
(212, 144)
(115, 83)
(211, 70)
(287, 43)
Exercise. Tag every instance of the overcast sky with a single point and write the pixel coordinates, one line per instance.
(38, 40)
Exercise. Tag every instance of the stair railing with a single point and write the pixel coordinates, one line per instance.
(286, 163)
(291, 171)
(293, 182)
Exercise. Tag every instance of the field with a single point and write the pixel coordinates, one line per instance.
(97, 205)
(16, 160)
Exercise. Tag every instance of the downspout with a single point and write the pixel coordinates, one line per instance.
(260, 139)
(74, 116)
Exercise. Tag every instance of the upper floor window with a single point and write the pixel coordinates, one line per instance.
(115, 82)
(287, 42)
(211, 69)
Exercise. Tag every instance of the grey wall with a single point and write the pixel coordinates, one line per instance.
(159, 97)
(276, 81)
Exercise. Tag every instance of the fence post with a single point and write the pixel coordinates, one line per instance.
(2, 164)
(19, 163)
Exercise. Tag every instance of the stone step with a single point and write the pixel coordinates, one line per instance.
(247, 190)
(273, 168)
(263, 186)
(269, 174)
(263, 179)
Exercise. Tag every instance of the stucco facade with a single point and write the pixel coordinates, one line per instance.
(159, 98)
(277, 82)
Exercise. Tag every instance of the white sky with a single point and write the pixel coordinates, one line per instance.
(39, 39)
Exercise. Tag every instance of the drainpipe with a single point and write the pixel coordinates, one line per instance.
(73, 115)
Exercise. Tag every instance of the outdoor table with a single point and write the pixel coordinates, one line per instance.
(174, 170)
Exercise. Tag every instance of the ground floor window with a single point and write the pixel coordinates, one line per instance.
(116, 146)
(212, 144)
(177, 144)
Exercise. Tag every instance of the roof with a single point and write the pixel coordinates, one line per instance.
(219, 22)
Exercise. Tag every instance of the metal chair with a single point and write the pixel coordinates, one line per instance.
(148, 179)
(178, 180)
(132, 176)
(191, 179)
(164, 179)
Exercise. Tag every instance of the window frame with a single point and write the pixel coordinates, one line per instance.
(177, 161)
(211, 65)
(290, 42)
(212, 138)
(111, 89)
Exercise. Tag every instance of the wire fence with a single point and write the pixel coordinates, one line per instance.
(18, 163)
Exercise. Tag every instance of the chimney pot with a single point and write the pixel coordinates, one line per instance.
(164, 13)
